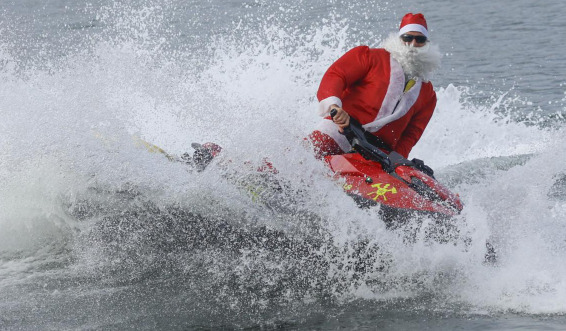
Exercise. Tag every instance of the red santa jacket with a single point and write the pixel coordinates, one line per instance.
(369, 84)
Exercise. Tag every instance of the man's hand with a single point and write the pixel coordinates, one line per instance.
(342, 118)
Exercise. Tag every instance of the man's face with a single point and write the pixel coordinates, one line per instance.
(414, 38)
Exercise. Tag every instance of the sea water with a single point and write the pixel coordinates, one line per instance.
(96, 232)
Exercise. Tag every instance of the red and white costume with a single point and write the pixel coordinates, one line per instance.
(368, 83)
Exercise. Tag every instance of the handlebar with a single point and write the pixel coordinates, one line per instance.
(358, 137)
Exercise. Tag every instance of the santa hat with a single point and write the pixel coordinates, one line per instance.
(413, 22)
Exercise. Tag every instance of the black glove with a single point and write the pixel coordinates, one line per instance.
(202, 156)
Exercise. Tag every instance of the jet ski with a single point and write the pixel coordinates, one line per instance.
(370, 174)
(402, 188)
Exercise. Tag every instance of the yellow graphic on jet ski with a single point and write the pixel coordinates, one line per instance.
(381, 191)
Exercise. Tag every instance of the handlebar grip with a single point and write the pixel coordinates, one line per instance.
(333, 112)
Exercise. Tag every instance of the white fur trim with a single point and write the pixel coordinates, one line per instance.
(331, 129)
(324, 105)
(414, 27)
(394, 89)
(388, 112)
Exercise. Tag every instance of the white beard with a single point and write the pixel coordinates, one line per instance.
(417, 62)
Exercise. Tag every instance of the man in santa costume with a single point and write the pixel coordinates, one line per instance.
(386, 89)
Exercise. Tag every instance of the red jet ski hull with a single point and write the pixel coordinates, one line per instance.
(405, 189)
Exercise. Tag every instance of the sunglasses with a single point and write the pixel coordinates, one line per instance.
(409, 38)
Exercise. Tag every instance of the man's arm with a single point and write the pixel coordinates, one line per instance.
(348, 69)
(415, 128)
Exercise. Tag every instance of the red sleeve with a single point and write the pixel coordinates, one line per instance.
(350, 68)
(416, 127)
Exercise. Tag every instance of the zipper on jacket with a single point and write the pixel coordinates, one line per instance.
(410, 83)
